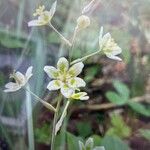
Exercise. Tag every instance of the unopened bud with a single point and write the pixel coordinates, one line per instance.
(83, 22)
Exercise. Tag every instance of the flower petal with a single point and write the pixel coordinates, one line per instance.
(100, 36)
(51, 71)
(29, 73)
(35, 23)
(66, 91)
(53, 9)
(76, 69)
(76, 82)
(104, 40)
(20, 78)
(80, 95)
(117, 50)
(63, 64)
(114, 57)
(12, 87)
(54, 85)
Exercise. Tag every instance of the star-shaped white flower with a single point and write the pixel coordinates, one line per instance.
(108, 46)
(65, 78)
(44, 17)
(20, 80)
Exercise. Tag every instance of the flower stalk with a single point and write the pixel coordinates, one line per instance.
(85, 57)
(54, 123)
(61, 36)
(47, 105)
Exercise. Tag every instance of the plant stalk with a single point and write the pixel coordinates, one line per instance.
(54, 123)
(47, 105)
(61, 36)
(73, 41)
(29, 121)
(85, 57)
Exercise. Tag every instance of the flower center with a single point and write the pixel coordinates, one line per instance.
(109, 46)
(39, 11)
(13, 75)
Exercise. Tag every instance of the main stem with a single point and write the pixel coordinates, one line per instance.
(61, 36)
(54, 123)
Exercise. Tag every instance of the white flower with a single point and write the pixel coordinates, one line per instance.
(44, 17)
(20, 80)
(108, 46)
(80, 96)
(83, 22)
(65, 78)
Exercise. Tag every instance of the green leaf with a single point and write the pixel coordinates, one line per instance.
(89, 144)
(84, 128)
(115, 98)
(119, 128)
(122, 95)
(122, 89)
(91, 72)
(97, 140)
(139, 108)
(11, 42)
(145, 133)
(42, 134)
(72, 142)
(114, 143)
(81, 146)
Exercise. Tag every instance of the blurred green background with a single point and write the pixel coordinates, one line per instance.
(117, 115)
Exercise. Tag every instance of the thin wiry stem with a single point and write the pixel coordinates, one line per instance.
(85, 57)
(47, 105)
(73, 41)
(54, 123)
(61, 36)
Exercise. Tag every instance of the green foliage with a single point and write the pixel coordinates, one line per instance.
(11, 42)
(145, 133)
(122, 95)
(2, 79)
(140, 108)
(91, 72)
(72, 142)
(119, 128)
(97, 140)
(42, 134)
(114, 143)
(84, 128)
(53, 38)
(89, 145)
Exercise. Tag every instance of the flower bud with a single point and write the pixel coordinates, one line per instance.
(83, 22)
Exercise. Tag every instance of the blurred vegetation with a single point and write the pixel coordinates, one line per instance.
(119, 109)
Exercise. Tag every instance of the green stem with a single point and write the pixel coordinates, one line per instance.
(61, 36)
(85, 57)
(60, 121)
(47, 105)
(29, 121)
(73, 41)
(54, 123)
